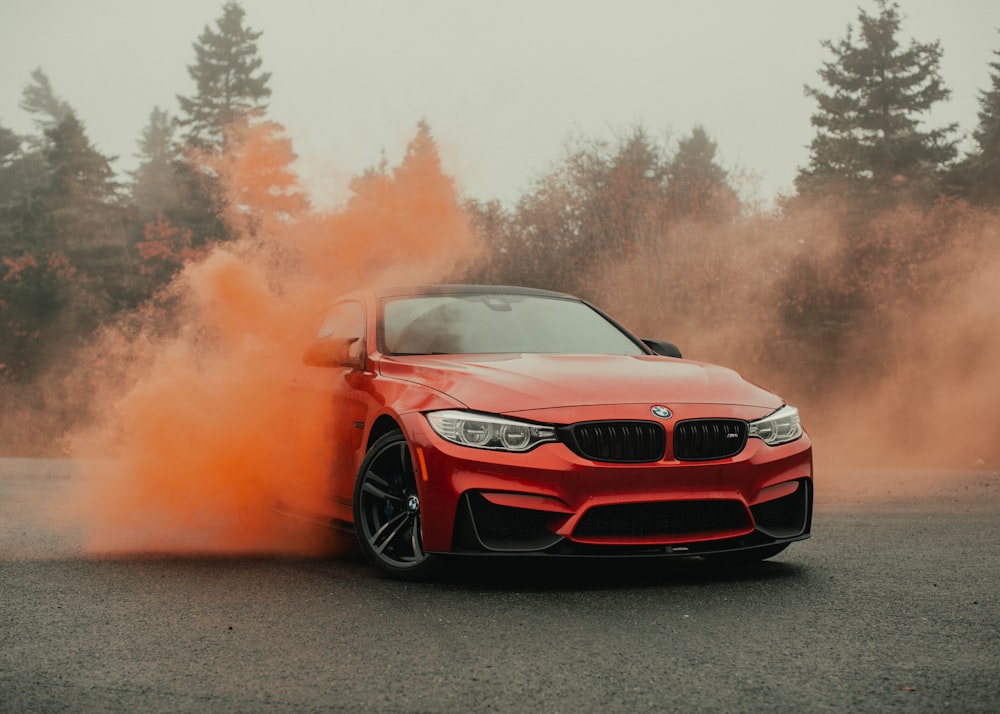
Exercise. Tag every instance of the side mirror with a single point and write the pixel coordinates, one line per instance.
(336, 352)
(666, 349)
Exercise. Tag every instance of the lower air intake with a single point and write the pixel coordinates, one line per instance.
(662, 519)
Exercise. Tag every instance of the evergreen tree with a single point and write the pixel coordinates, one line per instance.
(231, 91)
(33, 277)
(85, 220)
(155, 182)
(82, 199)
(200, 203)
(696, 185)
(10, 147)
(869, 139)
(987, 134)
(10, 144)
(58, 216)
(230, 85)
(978, 176)
(22, 172)
(40, 100)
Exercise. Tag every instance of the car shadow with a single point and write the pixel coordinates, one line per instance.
(460, 574)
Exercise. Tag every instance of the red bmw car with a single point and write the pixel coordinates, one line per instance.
(502, 420)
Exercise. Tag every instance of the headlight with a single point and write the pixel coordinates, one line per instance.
(483, 431)
(779, 428)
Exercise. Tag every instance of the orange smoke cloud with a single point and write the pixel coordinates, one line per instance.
(198, 430)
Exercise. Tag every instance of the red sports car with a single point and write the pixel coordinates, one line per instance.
(503, 420)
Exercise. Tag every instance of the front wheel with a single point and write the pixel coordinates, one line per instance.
(387, 511)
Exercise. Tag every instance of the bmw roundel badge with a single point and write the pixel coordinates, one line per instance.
(661, 412)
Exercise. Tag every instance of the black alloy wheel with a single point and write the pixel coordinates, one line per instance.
(387, 511)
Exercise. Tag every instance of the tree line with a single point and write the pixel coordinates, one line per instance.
(80, 245)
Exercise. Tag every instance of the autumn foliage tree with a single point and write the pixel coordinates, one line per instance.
(165, 249)
(603, 200)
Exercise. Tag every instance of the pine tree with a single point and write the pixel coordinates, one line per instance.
(33, 277)
(82, 195)
(978, 176)
(987, 134)
(155, 182)
(230, 85)
(40, 100)
(10, 144)
(22, 173)
(71, 269)
(26, 174)
(85, 219)
(869, 139)
(231, 93)
(697, 185)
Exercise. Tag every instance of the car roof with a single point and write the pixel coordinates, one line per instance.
(467, 290)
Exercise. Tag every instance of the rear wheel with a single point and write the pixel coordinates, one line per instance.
(387, 511)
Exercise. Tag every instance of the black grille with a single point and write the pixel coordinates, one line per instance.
(662, 519)
(617, 441)
(704, 439)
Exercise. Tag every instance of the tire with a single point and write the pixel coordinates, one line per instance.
(387, 511)
(749, 556)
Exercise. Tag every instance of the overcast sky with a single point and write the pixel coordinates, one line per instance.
(503, 83)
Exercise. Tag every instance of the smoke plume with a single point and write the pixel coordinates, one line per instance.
(884, 337)
(882, 332)
(196, 428)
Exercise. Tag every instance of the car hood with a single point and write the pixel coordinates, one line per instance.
(522, 382)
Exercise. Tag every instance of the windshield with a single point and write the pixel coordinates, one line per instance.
(499, 323)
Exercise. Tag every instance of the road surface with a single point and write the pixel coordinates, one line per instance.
(891, 606)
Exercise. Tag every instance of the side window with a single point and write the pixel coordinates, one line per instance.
(345, 320)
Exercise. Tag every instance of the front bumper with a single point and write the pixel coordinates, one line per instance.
(552, 501)
(684, 527)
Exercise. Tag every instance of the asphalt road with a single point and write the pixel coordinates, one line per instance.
(894, 607)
